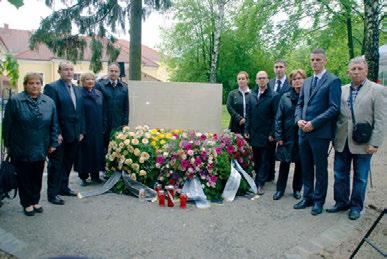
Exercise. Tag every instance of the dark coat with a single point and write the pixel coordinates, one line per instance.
(286, 129)
(30, 127)
(116, 102)
(321, 107)
(235, 109)
(91, 153)
(260, 117)
(71, 120)
(284, 89)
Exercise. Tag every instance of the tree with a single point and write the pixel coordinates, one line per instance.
(372, 13)
(92, 17)
(10, 68)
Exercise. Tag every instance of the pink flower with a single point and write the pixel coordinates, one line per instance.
(215, 137)
(198, 161)
(203, 137)
(160, 160)
(184, 164)
(218, 150)
(212, 180)
(230, 149)
(203, 155)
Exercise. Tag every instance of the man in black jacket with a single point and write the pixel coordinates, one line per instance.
(259, 126)
(280, 85)
(69, 106)
(116, 99)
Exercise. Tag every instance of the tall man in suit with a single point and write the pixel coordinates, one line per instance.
(260, 126)
(279, 85)
(368, 101)
(69, 106)
(116, 98)
(316, 114)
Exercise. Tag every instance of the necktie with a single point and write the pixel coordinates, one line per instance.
(72, 95)
(314, 84)
(114, 84)
(278, 86)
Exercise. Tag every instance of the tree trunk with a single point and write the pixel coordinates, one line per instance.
(135, 40)
(372, 11)
(218, 29)
(348, 20)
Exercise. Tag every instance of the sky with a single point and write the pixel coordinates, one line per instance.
(28, 17)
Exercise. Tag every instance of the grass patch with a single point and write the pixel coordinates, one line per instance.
(225, 117)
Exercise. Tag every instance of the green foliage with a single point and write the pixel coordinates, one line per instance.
(10, 68)
(16, 3)
(256, 33)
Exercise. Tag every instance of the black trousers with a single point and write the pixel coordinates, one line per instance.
(283, 177)
(29, 177)
(271, 161)
(59, 167)
(260, 165)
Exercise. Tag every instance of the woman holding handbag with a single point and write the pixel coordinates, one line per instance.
(30, 132)
(286, 134)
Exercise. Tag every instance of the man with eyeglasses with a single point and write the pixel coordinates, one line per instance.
(280, 85)
(316, 115)
(260, 126)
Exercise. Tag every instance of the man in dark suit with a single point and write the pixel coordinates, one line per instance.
(316, 115)
(116, 99)
(259, 126)
(279, 85)
(69, 106)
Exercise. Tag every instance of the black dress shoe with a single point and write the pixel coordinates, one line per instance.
(336, 209)
(28, 213)
(69, 193)
(83, 183)
(354, 214)
(317, 209)
(38, 210)
(56, 200)
(303, 204)
(278, 195)
(297, 195)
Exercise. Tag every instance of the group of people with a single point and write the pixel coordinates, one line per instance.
(70, 125)
(294, 121)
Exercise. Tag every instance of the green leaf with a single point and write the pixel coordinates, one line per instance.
(16, 3)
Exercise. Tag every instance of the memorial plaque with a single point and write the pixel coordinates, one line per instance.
(196, 106)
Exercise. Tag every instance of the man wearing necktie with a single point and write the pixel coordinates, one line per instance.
(279, 85)
(69, 106)
(316, 115)
(116, 99)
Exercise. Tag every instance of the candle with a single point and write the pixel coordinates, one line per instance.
(161, 197)
(171, 195)
(183, 200)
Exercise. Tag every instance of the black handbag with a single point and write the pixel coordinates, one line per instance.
(8, 179)
(361, 132)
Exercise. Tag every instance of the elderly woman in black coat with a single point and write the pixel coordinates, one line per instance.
(30, 132)
(237, 103)
(286, 134)
(91, 152)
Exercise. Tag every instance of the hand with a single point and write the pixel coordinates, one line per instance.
(280, 142)
(371, 149)
(247, 135)
(60, 139)
(51, 150)
(271, 139)
(80, 137)
(242, 121)
(301, 124)
(308, 127)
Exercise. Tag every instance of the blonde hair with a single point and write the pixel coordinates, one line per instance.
(84, 76)
(30, 76)
(295, 72)
(243, 73)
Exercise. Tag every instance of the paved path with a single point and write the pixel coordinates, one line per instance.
(119, 226)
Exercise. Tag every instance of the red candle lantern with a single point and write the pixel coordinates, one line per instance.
(183, 200)
(161, 197)
(158, 187)
(171, 194)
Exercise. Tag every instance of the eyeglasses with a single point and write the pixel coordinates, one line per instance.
(279, 67)
(261, 78)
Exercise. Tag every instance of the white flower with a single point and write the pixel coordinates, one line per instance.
(142, 173)
(190, 152)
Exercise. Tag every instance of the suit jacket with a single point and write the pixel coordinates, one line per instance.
(370, 106)
(284, 88)
(116, 101)
(321, 107)
(260, 117)
(71, 120)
